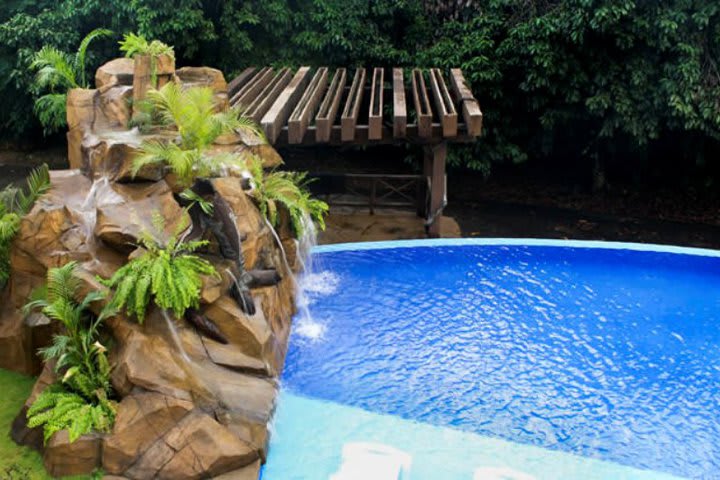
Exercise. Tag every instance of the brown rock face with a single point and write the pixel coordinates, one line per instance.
(195, 394)
(115, 72)
(142, 419)
(206, 77)
(62, 458)
(80, 107)
(197, 447)
(125, 213)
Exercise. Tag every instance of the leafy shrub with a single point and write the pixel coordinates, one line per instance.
(80, 402)
(14, 204)
(133, 44)
(288, 189)
(168, 274)
(57, 70)
(192, 112)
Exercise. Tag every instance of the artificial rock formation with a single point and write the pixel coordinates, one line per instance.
(195, 394)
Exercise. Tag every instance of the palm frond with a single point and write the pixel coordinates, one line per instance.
(79, 63)
(51, 111)
(54, 69)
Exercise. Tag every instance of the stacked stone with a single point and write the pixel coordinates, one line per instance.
(190, 406)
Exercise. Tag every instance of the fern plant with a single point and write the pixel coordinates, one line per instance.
(289, 189)
(14, 204)
(58, 409)
(192, 112)
(168, 274)
(80, 402)
(133, 44)
(56, 73)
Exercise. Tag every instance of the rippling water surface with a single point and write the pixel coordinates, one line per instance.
(607, 354)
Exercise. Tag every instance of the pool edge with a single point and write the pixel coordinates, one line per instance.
(531, 242)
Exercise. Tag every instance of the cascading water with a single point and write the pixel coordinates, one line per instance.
(305, 325)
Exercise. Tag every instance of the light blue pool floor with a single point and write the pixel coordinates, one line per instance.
(308, 436)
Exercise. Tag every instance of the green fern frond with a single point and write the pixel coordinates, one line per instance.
(288, 189)
(82, 52)
(51, 111)
(54, 69)
(133, 44)
(168, 275)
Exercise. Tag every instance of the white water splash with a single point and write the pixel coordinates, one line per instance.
(321, 284)
(309, 328)
(305, 325)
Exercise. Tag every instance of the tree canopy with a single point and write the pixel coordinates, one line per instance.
(580, 78)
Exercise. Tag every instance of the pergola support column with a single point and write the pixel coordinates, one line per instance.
(434, 170)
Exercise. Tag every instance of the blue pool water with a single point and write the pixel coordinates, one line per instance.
(560, 362)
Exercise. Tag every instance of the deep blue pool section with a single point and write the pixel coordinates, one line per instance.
(605, 353)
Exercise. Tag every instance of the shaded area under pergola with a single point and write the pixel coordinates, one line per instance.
(323, 106)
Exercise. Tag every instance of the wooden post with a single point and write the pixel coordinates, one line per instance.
(434, 169)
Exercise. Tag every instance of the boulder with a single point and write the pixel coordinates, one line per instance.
(115, 72)
(202, 77)
(111, 154)
(250, 335)
(251, 226)
(114, 110)
(197, 447)
(142, 418)
(125, 213)
(81, 457)
(206, 77)
(150, 362)
(81, 108)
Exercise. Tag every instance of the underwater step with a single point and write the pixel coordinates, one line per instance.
(308, 436)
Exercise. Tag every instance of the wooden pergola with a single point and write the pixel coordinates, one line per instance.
(320, 106)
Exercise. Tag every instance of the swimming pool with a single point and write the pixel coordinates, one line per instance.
(554, 359)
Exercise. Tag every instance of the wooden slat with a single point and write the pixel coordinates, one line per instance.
(443, 103)
(251, 89)
(422, 104)
(399, 107)
(262, 102)
(239, 81)
(349, 117)
(278, 114)
(375, 115)
(330, 105)
(300, 118)
(469, 105)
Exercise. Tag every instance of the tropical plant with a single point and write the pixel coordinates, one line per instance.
(192, 112)
(80, 401)
(289, 189)
(14, 204)
(57, 72)
(133, 44)
(168, 274)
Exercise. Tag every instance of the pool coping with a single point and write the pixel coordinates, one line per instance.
(529, 242)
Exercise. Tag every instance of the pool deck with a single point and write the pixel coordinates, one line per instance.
(348, 226)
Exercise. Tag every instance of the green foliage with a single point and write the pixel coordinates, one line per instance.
(564, 77)
(14, 204)
(288, 189)
(57, 409)
(57, 70)
(192, 112)
(133, 44)
(80, 402)
(206, 206)
(168, 274)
